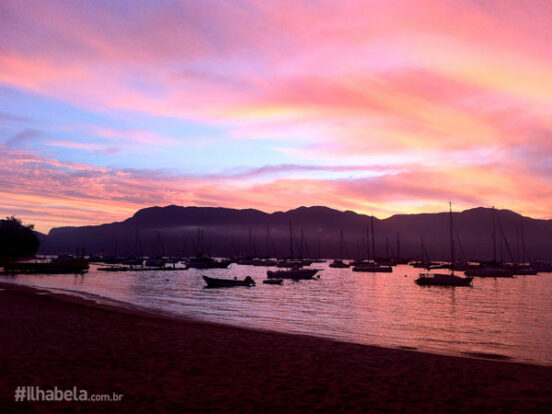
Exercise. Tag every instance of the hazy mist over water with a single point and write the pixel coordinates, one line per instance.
(507, 317)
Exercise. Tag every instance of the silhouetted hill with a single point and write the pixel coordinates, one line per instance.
(194, 216)
(179, 230)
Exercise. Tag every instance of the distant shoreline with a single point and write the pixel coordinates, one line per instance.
(156, 362)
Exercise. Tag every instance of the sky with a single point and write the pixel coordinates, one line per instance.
(380, 107)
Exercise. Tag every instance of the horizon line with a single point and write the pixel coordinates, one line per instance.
(287, 211)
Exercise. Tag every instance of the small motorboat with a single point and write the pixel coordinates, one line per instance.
(442, 279)
(372, 268)
(218, 283)
(273, 281)
(295, 274)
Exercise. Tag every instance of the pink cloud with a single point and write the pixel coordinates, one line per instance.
(50, 193)
(137, 136)
(361, 50)
(84, 146)
(453, 95)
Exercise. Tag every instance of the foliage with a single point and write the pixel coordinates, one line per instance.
(16, 239)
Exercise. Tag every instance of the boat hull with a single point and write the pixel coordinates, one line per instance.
(295, 274)
(373, 269)
(442, 280)
(338, 264)
(209, 265)
(257, 262)
(220, 283)
(489, 272)
(273, 281)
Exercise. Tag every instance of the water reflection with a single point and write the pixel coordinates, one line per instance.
(508, 317)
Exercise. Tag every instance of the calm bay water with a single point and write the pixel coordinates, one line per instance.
(508, 317)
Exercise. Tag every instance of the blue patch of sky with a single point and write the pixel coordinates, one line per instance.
(199, 148)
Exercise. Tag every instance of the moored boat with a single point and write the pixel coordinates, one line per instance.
(205, 262)
(273, 281)
(295, 274)
(63, 264)
(155, 262)
(339, 264)
(523, 270)
(489, 271)
(539, 266)
(294, 263)
(422, 265)
(372, 268)
(257, 262)
(444, 279)
(213, 282)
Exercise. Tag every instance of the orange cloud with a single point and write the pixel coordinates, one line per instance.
(50, 193)
(433, 99)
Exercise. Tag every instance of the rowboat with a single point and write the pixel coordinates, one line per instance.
(218, 283)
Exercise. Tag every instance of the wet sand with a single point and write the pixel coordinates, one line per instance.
(164, 364)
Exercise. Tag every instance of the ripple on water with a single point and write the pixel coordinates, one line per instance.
(499, 319)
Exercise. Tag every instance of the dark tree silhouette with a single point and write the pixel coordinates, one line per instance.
(17, 240)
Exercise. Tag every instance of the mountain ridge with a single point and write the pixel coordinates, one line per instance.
(163, 209)
(226, 231)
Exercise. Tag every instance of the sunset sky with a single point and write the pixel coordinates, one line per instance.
(380, 107)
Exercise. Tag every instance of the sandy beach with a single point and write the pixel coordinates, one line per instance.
(161, 364)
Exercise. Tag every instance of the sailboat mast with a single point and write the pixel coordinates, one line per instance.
(138, 244)
(268, 241)
(494, 236)
(367, 243)
(451, 239)
(523, 250)
(373, 239)
(250, 244)
(341, 245)
(198, 242)
(518, 244)
(319, 254)
(398, 247)
(290, 241)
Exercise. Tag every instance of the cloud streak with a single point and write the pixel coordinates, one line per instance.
(52, 193)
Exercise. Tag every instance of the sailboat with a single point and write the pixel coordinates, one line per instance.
(294, 267)
(257, 261)
(219, 283)
(202, 261)
(424, 261)
(445, 279)
(494, 268)
(372, 265)
(361, 262)
(339, 263)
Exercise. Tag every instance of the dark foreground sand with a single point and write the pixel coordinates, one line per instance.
(164, 365)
